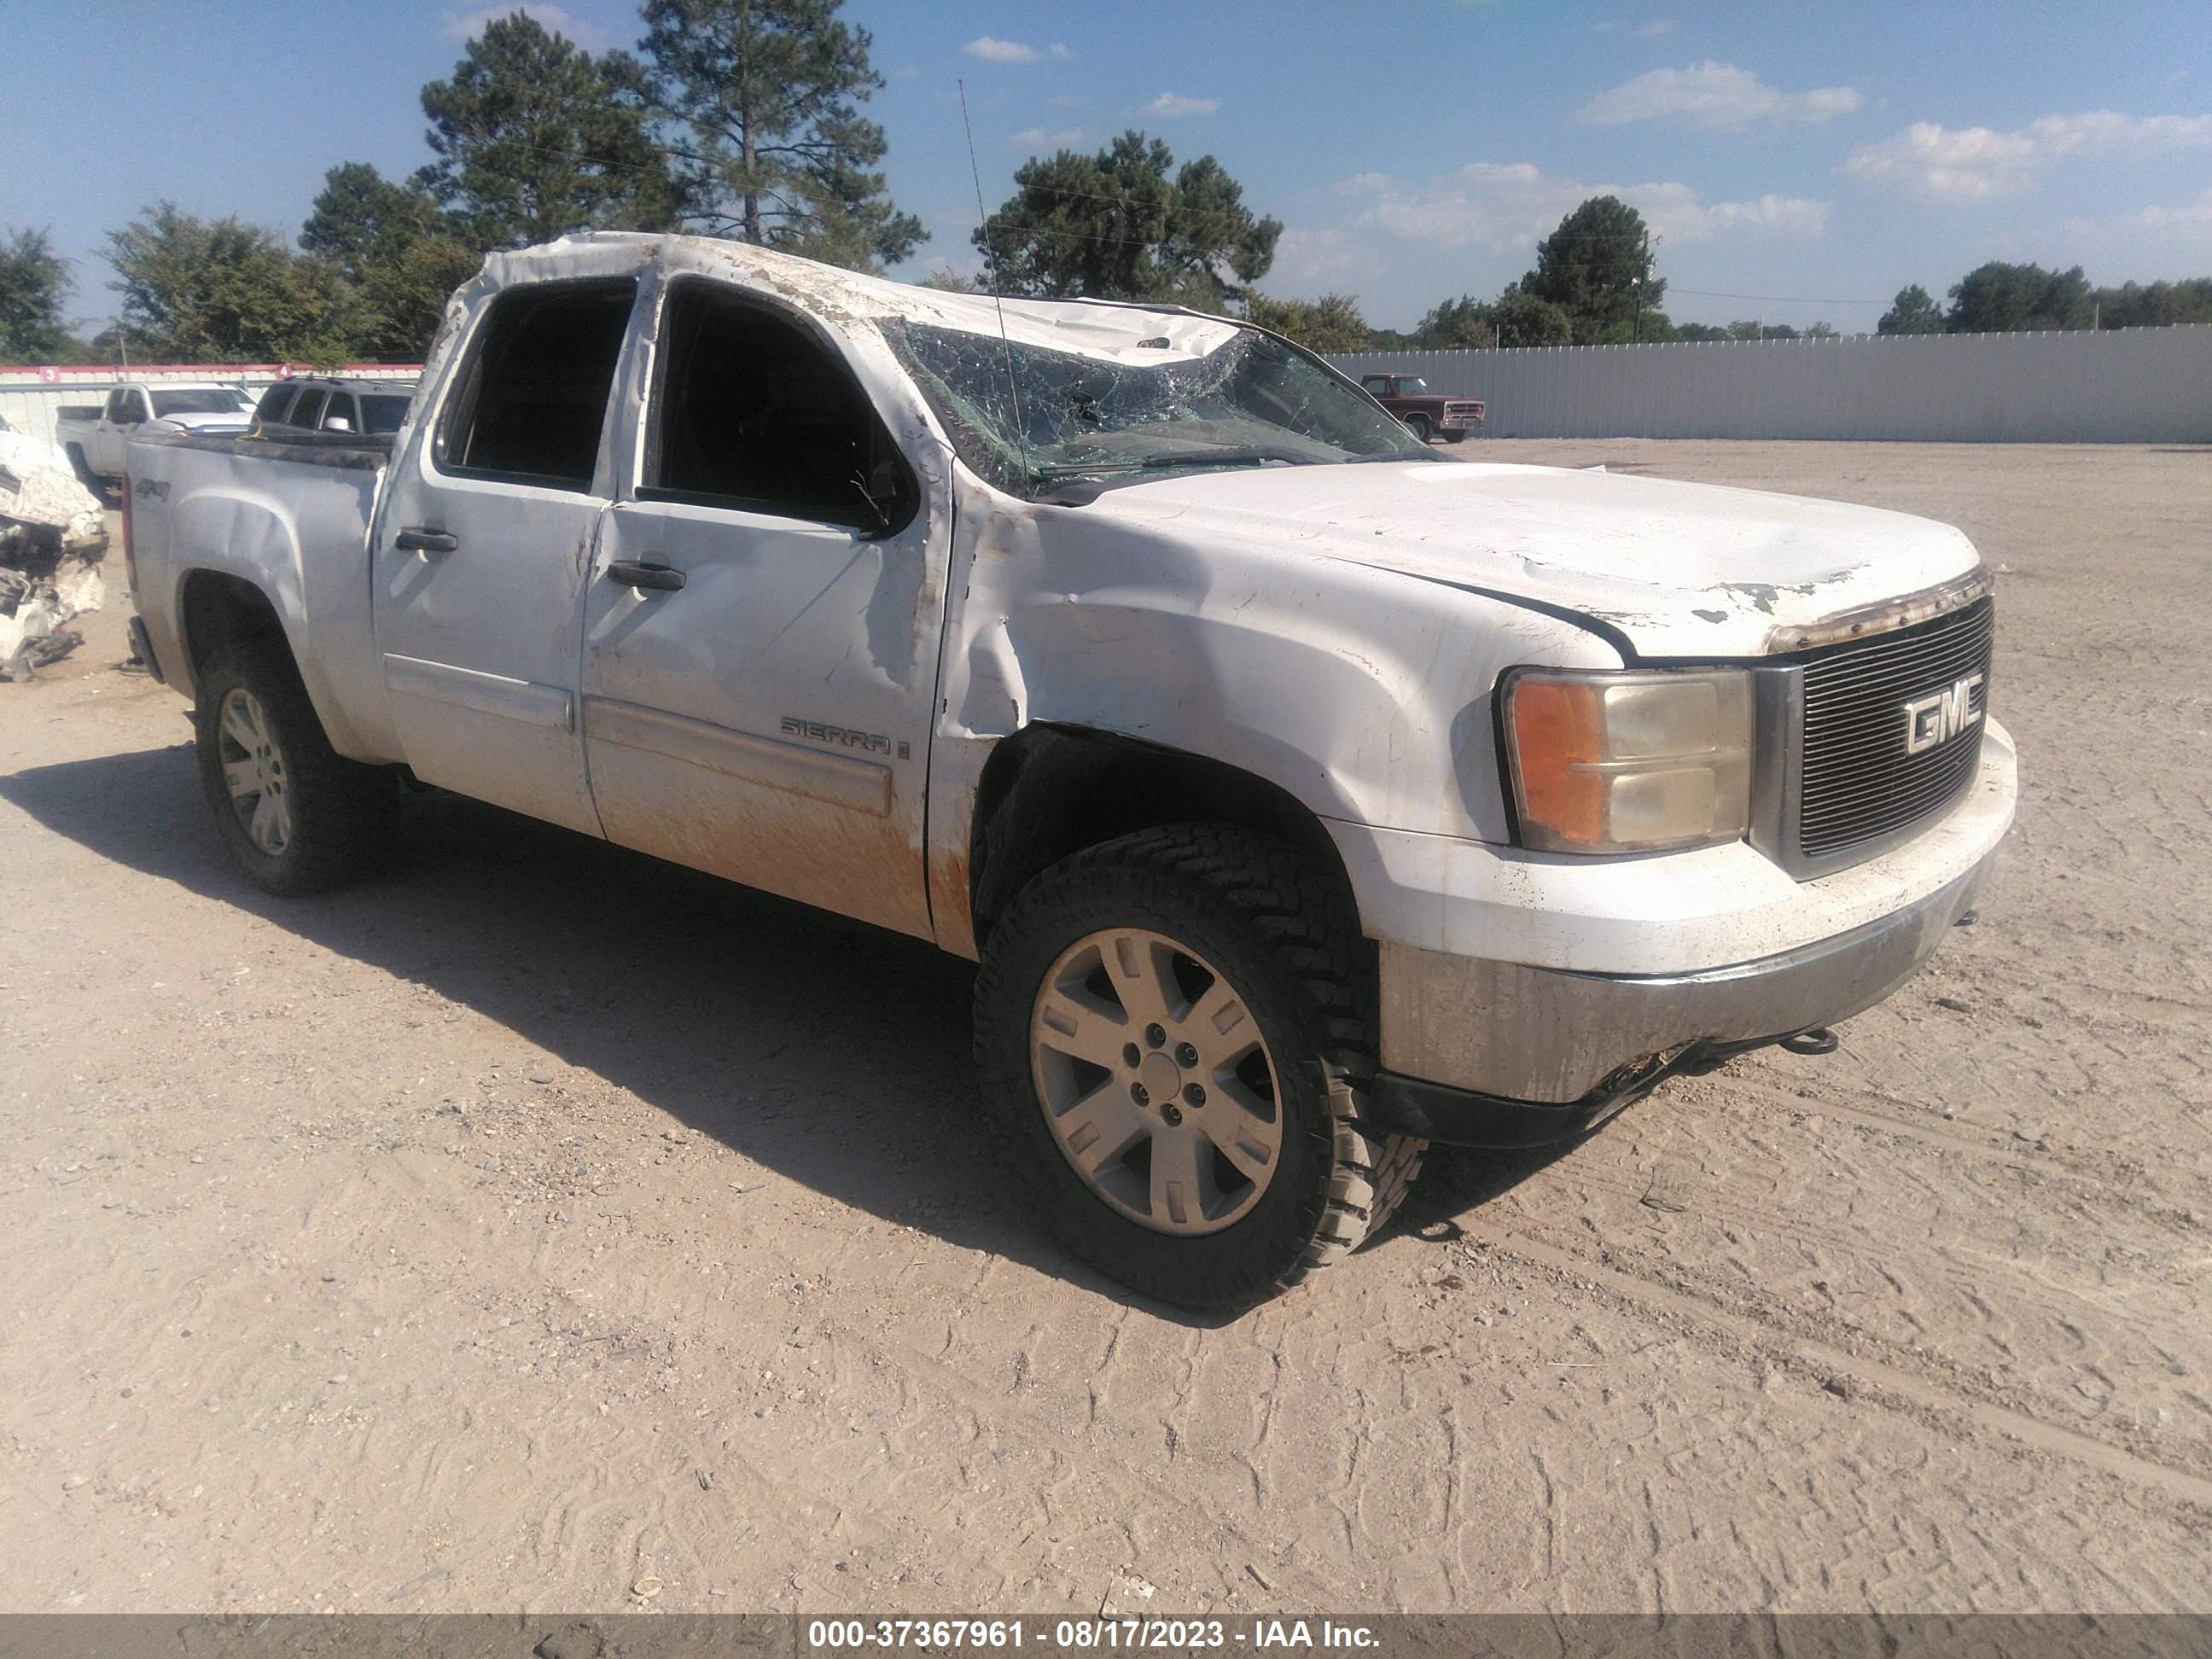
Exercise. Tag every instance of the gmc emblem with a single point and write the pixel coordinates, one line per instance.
(1941, 715)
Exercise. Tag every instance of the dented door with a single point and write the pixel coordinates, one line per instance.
(756, 677)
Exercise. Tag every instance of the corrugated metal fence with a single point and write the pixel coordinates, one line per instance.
(2118, 385)
(30, 397)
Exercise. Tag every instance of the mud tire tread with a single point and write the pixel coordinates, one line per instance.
(1292, 911)
(341, 810)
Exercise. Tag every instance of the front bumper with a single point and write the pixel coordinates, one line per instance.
(1566, 1051)
(1513, 980)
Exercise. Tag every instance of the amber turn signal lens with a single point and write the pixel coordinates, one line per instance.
(1559, 730)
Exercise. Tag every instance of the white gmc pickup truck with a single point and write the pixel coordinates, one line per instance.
(97, 441)
(1305, 796)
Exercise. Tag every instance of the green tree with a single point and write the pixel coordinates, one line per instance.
(402, 296)
(1458, 325)
(2134, 304)
(1819, 331)
(361, 216)
(1597, 268)
(1523, 318)
(536, 138)
(1753, 328)
(1332, 323)
(1702, 332)
(1115, 226)
(1913, 312)
(396, 257)
(34, 282)
(1999, 298)
(774, 147)
(222, 291)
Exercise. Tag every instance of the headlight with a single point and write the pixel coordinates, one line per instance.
(1629, 761)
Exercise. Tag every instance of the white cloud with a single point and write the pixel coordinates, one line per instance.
(1001, 51)
(1059, 53)
(1655, 28)
(468, 24)
(1314, 261)
(1936, 163)
(906, 72)
(2152, 233)
(1171, 103)
(1502, 205)
(1036, 139)
(1713, 94)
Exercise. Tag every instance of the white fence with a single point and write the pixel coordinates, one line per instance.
(30, 397)
(2118, 385)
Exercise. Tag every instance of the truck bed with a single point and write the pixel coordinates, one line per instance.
(290, 516)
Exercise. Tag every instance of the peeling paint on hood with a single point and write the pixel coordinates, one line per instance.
(1680, 569)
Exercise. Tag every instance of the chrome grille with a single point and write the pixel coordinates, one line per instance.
(1858, 783)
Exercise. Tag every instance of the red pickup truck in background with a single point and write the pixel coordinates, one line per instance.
(1429, 414)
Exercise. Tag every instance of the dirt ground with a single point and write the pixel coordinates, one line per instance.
(540, 1225)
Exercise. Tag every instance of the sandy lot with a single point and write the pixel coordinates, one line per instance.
(539, 1219)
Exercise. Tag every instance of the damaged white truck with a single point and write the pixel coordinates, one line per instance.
(1305, 796)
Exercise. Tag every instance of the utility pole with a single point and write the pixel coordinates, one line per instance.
(1643, 270)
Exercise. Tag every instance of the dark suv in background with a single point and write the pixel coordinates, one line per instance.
(369, 408)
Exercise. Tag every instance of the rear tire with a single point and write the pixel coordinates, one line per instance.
(1233, 962)
(1418, 425)
(298, 816)
(85, 475)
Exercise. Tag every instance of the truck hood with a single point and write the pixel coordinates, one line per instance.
(1680, 569)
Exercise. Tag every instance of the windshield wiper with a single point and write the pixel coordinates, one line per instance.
(1423, 453)
(1172, 458)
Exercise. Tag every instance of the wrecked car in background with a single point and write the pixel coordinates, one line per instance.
(1305, 797)
(54, 538)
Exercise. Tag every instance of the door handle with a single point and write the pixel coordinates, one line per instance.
(417, 540)
(659, 577)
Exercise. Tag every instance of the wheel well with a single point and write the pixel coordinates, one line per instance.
(1049, 790)
(221, 610)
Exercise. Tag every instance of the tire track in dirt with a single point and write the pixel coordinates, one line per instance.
(1873, 1376)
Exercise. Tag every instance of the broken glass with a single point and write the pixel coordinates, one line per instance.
(1029, 417)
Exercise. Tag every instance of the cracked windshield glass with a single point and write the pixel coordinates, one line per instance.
(1029, 417)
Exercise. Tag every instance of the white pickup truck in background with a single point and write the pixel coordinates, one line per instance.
(96, 444)
(1303, 795)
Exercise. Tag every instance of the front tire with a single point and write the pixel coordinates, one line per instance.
(1177, 1028)
(1419, 425)
(298, 816)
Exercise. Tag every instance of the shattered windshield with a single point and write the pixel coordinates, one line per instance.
(1250, 401)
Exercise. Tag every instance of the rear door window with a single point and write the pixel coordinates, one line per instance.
(382, 413)
(309, 409)
(531, 405)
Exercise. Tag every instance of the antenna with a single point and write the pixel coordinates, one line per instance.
(990, 254)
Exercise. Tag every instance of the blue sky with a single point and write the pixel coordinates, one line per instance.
(1809, 159)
